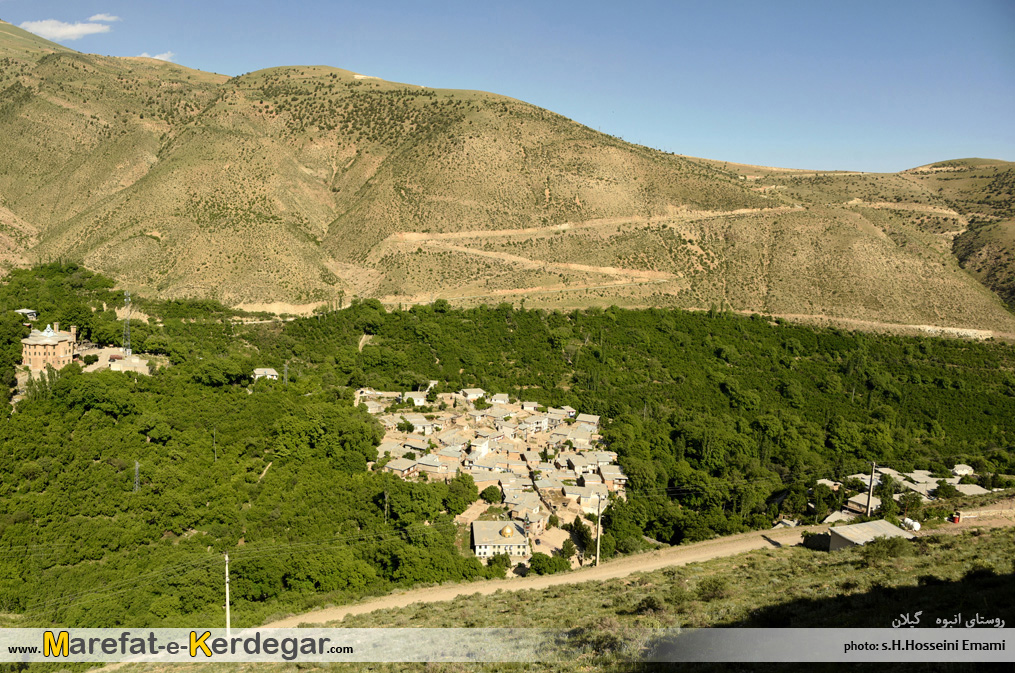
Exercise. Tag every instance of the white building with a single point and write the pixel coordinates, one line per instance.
(417, 399)
(265, 373)
(499, 537)
(961, 470)
(862, 533)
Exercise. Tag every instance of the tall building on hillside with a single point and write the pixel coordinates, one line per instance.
(49, 347)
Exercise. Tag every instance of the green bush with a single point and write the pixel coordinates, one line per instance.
(713, 587)
(881, 549)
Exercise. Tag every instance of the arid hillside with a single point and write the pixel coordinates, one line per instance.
(312, 184)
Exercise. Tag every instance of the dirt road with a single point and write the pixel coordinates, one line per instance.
(681, 555)
(700, 551)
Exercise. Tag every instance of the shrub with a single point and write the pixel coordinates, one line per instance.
(650, 604)
(816, 541)
(881, 549)
(713, 587)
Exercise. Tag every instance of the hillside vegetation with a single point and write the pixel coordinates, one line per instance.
(309, 184)
(611, 624)
(109, 480)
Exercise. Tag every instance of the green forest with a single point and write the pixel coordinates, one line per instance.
(120, 493)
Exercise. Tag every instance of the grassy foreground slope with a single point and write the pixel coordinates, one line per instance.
(306, 184)
(938, 575)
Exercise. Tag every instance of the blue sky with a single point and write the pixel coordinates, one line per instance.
(875, 86)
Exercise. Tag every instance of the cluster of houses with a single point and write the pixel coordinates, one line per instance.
(544, 460)
(918, 481)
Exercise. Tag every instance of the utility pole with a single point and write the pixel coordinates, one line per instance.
(870, 493)
(126, 324)
(137, 476)
(285, 375)
(599, 524)
(214, 449)
(228, 625)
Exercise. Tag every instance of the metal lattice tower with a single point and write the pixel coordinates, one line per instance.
(126, 324)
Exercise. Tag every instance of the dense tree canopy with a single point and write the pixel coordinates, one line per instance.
(721, 422)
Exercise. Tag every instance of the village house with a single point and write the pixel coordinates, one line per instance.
(500, 398)
(580, 464)
(538, 423)
(480, 446)
(971, 489)
(602, 457)
(531, 458)
(529, 406)
(451, 456)
(389, 448)
(839, 516)
(374, 407)
(418, 399)
(858, 503)
(419, 446)
(549, 483)
(589, 498)
(923, 488)
(557, 437)
(588, 419)
(472, 394)
(433, 466)
(420, 424)
(402, 467)
(962, 470)
(555, 417)
(865, 478)
(499, 537)
(499, 412)
(922, 477)
(28, 314)
(894, 474)
(50, 347)
(862, 533)
(580, 438)
(506, 428)
(613, 477)
(265, 373)
(833, 485)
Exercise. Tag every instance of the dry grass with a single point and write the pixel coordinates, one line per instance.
(299, 184)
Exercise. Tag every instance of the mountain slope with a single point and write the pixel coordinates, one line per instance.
(305, 184)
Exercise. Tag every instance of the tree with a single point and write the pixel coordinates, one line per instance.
(462, 492)
(541, 564)
(910, 503)
(492, 495)
(568, 550)
(581, 532)
(946, 490)
(497, 566)
(405, 426)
